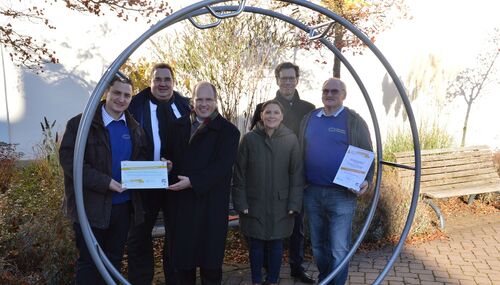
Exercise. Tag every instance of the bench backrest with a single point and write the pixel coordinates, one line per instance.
(453, 169)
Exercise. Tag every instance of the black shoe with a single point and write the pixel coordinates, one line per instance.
(303, 276)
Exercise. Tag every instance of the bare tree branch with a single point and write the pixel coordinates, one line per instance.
(25, 50)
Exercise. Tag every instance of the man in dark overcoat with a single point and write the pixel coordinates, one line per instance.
(155, 108)
(202, 147)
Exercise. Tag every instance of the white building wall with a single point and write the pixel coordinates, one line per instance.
(453, 31)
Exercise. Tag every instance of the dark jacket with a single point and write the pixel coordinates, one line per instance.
(268, 181)
(139, 108)
(294, 111)
(97, 170)
(197, 217)
(357, 132)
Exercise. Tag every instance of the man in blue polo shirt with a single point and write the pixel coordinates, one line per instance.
(113, 136)
(325, 135)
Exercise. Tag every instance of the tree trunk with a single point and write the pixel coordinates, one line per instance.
(338, 42)
(464, 130)
(336, 67)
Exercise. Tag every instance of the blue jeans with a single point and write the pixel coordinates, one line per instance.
(275, 255)
(330, 211)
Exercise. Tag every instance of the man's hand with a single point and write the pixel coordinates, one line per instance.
(115, 186)
(169, 163)
(245, 212)
(183, 183)
(362, 189)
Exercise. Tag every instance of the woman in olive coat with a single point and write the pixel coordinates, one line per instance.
(267, 189)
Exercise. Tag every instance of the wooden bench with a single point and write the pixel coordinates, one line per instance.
(452, 172)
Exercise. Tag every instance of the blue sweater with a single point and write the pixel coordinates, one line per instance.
(121, 149)
(326, 144)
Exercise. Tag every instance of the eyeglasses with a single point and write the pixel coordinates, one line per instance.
(159, 79)
(288, 78)
(333, 91)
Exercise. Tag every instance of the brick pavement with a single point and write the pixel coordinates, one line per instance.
(471, 255)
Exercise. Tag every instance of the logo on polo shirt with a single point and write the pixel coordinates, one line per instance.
(337, 130)
(126, 136)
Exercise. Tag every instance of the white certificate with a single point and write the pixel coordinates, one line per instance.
(144, 174)
(354, 167)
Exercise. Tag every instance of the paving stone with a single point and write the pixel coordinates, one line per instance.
(471, 255)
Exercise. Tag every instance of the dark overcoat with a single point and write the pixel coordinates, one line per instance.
(268, 181)
(197, 216)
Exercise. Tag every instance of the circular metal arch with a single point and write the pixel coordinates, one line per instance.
(221, 12)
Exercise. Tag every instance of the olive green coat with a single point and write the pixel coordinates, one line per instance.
(268, 181)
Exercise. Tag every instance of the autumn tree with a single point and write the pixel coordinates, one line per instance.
(28, 51)
(236, 56)
(470, 82)
(370, 16)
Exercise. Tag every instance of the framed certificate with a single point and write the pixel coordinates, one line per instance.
(354, 168)
(144, 174)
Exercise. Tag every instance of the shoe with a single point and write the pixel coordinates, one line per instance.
(303, 276)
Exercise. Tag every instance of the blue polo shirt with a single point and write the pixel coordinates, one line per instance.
(326, 142)
(121, 149)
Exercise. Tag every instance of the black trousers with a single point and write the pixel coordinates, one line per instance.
(112, 241)
(207, 276)
(140, 241)
(296, 245)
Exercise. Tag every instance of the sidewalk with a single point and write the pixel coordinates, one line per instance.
(471, 255)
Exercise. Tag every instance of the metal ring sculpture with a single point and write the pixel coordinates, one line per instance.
(220, 13)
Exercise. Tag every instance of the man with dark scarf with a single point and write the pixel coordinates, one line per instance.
(287, 78)
(155, 108)
(203, 149)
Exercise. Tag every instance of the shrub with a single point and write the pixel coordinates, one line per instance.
(395, 197)
(8, 157)
(36, 242)
(431, 136)
(392, 211)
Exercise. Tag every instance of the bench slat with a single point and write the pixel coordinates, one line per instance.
(402, 155)
(481, 155)
(473, 174)
(484, 166)
(453, 192)
(471, 184)
(454, 180)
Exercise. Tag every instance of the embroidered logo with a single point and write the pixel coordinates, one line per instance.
(337, 130)
(126, 136)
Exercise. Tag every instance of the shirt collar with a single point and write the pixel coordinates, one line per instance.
(321, 112)
(107, 119)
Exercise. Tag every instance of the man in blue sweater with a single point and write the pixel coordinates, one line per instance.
(155, 108)
(325, 135)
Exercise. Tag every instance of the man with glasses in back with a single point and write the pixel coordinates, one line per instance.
(287, 79)
(155, 108)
